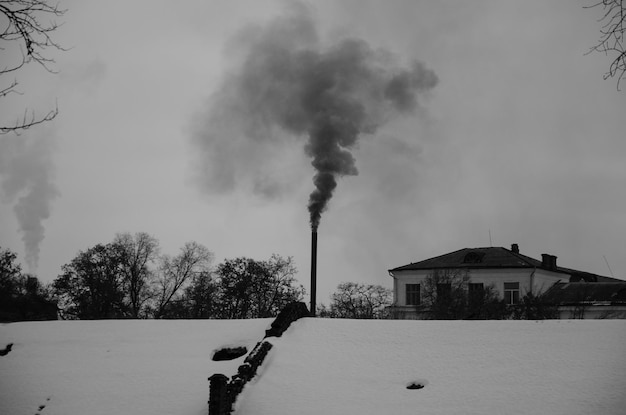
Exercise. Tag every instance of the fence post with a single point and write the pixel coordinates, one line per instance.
(217, 394)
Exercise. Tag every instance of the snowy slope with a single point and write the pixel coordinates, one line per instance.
(319, 366)
(484, 367)
(120, 367)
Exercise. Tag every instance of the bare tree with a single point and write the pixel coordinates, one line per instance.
(200, 299)
(90, 286)
(136, 253)
(256, 289)
(354, 300)
(26, 35)
(444, 293)
(611, 41)
(280, 285)
(583, 301)
(177, 272)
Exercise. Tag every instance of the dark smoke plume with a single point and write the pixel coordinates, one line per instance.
(331, 94)
(26, 182)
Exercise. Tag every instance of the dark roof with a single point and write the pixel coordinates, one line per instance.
(495, 257)
(491, 257)
(564, 293)
(582, 276)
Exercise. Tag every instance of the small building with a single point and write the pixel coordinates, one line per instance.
(591, 300)
(510, 273)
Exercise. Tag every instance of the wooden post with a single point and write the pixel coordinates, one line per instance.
(217, 394)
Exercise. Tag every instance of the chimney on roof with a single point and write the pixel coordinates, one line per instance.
(515, 248)
(548, 262)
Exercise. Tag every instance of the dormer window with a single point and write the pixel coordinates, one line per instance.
(473, 257)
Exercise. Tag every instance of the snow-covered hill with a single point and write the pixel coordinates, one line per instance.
(319, 366)
(123, 367)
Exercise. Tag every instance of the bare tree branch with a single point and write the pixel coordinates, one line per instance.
(27, 26)
(28, 120)
(177, 272)
(611, 40)
(358, 301)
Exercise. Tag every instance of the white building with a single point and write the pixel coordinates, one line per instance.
(510, 273)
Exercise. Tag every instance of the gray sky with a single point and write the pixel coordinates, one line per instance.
(521, 139)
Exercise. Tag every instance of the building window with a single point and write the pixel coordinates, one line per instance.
(444, 291)
(473, 257)
(511, 292)
(475, 293)
(412, 294)
(475, 289)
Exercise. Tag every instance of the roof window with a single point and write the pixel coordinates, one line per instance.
(473, 257)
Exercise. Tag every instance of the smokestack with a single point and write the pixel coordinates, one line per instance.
(328, 94)
(313, 269)
(515, 248)
(548, 262)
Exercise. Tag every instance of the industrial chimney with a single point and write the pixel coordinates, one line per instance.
(313, 269)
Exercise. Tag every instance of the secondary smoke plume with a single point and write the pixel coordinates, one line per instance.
(25, 182)
(331, 94)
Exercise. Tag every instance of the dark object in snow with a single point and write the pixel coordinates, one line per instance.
(222, 393)
(292, 312)
(229, 353)
(6, 350)
(417, 384)
(218, 394)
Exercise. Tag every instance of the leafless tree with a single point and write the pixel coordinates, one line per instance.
(137, 252)
(359, 301)
(583, 301)
(611, 40)
(248, 288)
(26, 28)
(445, 293)
(176, 272)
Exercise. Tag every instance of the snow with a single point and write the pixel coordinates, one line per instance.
(319, 366)
(118, 367)
(487, 367)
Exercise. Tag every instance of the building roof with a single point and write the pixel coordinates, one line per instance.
(498, 258)
(582, 276)
(565, 293)
(491, 257)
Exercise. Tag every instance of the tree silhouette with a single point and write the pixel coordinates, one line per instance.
(611, 40)
(91, 286)
(26, 28)
(358, 301)
(136, 253)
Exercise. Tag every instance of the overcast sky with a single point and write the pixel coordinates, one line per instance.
(521, 140)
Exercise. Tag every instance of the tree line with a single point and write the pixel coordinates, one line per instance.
(130, 278)
(22, 297)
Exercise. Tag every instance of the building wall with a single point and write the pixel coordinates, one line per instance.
(540, 280)
(544, 279)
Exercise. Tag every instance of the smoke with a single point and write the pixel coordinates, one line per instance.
(285, 79)
(25, 181)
